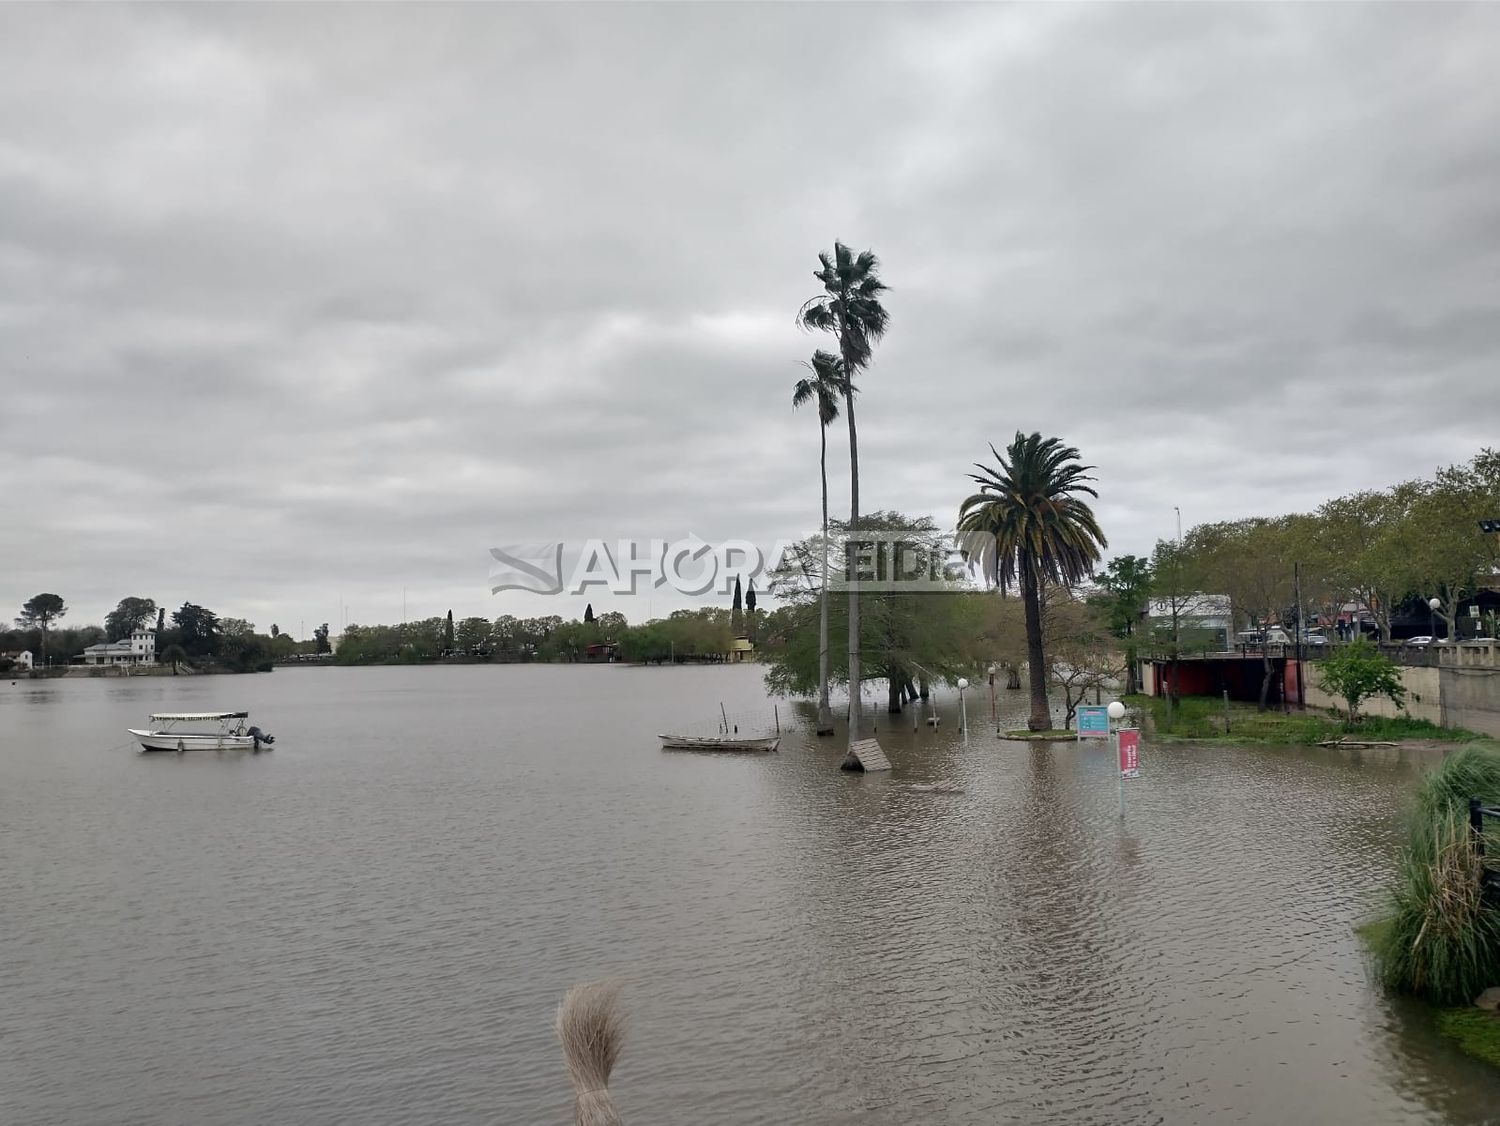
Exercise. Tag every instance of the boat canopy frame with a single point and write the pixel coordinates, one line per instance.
(195, 717)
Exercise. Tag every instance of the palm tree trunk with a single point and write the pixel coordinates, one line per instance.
(825, 715)
(851, 550)
(1041, 714)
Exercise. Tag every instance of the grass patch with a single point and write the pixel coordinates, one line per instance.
(1374, 934)
(1201, 717)
(1477, 1032)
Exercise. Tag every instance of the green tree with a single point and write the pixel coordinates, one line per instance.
(1251, 561)
(1177, 606)
(242, 650)
(197, 629)
(39, 612)
(612, 625)
(448, 634)
(1360, 672)
(850, 308)
(130, 615)
(1441, 538)
(1083, 656)
(1027, 525)
(473, 636)
(1126, 582)
(320, 639)
(1357, 548)
(646, 643)
(825, 386)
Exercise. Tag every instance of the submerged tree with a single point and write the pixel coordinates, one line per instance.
(1026, 525)
(850, 308)
(825, 386)
(906, 636)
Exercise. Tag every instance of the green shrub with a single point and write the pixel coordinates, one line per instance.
(1442, 941)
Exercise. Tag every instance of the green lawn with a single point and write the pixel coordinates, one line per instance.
(1201, 717)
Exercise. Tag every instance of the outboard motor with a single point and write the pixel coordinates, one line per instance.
(260, 737)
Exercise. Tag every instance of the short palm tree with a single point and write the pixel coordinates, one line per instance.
(1027, 525)
(825, 386)
(850, 308)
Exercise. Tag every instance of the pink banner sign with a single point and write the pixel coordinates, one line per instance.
(1130, 753)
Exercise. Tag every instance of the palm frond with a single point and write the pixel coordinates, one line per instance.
(850, 304)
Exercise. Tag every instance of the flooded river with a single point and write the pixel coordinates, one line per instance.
(372, 925)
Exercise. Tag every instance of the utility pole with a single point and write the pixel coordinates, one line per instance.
(1179, 524)
(1297, 587)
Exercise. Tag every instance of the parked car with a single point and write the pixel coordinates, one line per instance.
(1425, 640)
(1479, 641)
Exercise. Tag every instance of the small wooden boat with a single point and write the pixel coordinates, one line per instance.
(718, 743)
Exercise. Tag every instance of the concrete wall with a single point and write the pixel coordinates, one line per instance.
(1424, 695)
(1471, 698)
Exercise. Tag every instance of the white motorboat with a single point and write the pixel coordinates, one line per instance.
(201, 731)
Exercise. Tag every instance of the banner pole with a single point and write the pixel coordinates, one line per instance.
(1120, 773)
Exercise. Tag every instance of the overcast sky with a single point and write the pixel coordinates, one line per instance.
(304, 307)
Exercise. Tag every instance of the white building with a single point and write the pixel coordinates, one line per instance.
(20, 662)
(140, 649)
(1208, 618)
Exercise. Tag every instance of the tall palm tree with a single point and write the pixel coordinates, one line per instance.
(850, 308)
(826, 386)
(1026, 526)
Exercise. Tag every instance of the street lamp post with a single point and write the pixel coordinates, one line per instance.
(994, 710)
(1433, 604)
(963, 709)
(1116, 712)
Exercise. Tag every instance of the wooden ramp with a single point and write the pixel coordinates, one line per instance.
(866, 756)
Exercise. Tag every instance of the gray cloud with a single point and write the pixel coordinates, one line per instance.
(302, 304)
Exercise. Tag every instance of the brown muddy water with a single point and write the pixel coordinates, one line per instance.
(373, 924)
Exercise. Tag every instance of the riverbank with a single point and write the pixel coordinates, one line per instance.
(1475, 1030)
(1202, 719)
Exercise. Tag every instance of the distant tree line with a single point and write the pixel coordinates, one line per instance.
(694, 634)
(191, 635)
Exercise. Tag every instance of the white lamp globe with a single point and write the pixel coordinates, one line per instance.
(962, 684)
(1434, 604)
(1116, 710)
